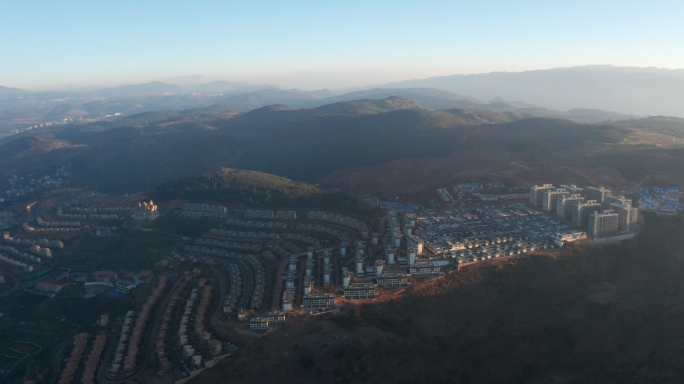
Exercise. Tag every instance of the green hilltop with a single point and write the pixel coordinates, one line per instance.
(255, 189)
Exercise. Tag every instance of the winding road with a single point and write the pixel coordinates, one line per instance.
(58, 359)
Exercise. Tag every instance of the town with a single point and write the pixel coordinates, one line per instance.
(255, 271)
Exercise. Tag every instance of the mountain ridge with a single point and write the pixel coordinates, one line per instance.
(301, 144)
(637, 91)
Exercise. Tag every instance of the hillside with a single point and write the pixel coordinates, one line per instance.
(436, 99)
(661, 123)
(29, 148)
(533, 319)
(9, 92)
(301, 144)
(96, 103)
(577, 114)
(68, 131)
(254, 189)
(366, 106)
(429, 98)
(474, 117)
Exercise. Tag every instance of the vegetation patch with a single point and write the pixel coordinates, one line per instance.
(253, 189)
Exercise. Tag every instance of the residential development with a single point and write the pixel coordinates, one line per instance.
(594, 209)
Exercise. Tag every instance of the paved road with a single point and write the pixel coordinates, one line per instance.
(221, 282)
(268, 289)
(105, 362)
(278, 292)
(248, 290)
(58, 359)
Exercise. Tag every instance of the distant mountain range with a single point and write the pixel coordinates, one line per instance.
(8, 93)
(106, 103)
(629, 90)
(589, 94)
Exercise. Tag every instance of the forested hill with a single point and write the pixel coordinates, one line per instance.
(254, 189)
(301, 144)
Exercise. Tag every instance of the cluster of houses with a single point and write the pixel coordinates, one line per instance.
(288, 300)
(70, 373)
(10, 255)
(91, 216)
(256, 224)
(197, 211)
(286, 250)
(243, 235)
(127, 280)
(346, 221)
(342, 235)
(257, 300)
(230, 306)
(360, 291)
(38, 251)
(428, 240)
(464, 236)
(22, 185)
(291, 247)
(318, 300)
(202, 215)
(252, 260)
(267, 214)
(99, 209)
(212, 251)
(130, 339)
(73, 216)
(319, 271)
(160, 350)
(47, 287)
(42, 242)
(27, 228)
(34, 249)
(57, 224)
(262, 324)
(202, 338)
(361, 283)
(190, 207)
(393, 272)
(228, 244)
(194, 258)
(303, 238)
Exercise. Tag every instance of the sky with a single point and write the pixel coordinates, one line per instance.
(316, 44)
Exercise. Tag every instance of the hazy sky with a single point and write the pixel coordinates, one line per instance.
(317, 44)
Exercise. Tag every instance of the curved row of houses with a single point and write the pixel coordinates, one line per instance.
(131, 338)
(346, 221)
